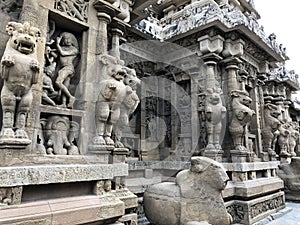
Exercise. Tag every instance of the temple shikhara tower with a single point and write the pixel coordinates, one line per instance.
(132, 111)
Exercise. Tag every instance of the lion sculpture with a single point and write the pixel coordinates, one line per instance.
(19, 70)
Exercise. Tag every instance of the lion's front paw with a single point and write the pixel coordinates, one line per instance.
(7, 133)
(34, 65)
(8, 60)
(21, 133)
(119, 144)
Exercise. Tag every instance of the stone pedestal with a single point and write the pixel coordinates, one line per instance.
(118, 155)
(239, 156)
(254, 191)
(214, 154)
(102, 151)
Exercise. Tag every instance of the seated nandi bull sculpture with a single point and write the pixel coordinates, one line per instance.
(195, 196)
(19, 70)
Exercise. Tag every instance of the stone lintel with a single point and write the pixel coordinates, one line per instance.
(35, 175)
(244, 167)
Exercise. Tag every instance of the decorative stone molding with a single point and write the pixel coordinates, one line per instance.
(210, 44)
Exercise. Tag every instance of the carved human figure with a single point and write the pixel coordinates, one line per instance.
(215, 113)
(241, 117)
(19, 70)
(294, 137)
(129, 105)
(112, 94)
(68, 50)
(270, 130)
(48, 90)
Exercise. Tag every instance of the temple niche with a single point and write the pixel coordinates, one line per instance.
(105, 100)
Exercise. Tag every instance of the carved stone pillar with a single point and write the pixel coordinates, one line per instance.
(104, 20)
(240, 113)
(211, 47)
(115, 49)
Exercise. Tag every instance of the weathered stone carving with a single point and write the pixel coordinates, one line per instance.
(19, 70)
(267, 205)
(112, 93)
(11, 195)
(293, 138)
(196, 196)
(290, 175)
(75, 8)
(68, 50)
(283, 139)
(59, 135)
(215, 113)
(241, 117)
(48, 90)
(129, 105)
(237, 212)
(270, 130)
(12, 7)
(102, 187)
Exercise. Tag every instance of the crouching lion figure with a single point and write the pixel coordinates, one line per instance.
(194, 197)
(19, 70)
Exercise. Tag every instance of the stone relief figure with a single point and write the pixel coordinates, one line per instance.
(74, 8)
(11, 7)
(270, 130)
(48, 90)
(283, 139)
(68, 50)
(294, 137)
(59, 134)
(241, 117)
(215, 113)
(112, 94)
(194, 196)
(19, 70)
(129, 105)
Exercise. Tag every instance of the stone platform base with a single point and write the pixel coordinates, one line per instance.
(251, 211)
(68, 211)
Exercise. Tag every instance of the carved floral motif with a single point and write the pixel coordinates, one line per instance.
(74, 8)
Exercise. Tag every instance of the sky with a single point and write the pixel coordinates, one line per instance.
(283, 18)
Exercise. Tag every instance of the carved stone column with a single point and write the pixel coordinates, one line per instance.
(211, 47)
(104, 20)
(115, 49)
(240, 113)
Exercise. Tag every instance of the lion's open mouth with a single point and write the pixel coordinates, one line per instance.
(25, 47)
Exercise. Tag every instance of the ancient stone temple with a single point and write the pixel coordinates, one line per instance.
(101, 99)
